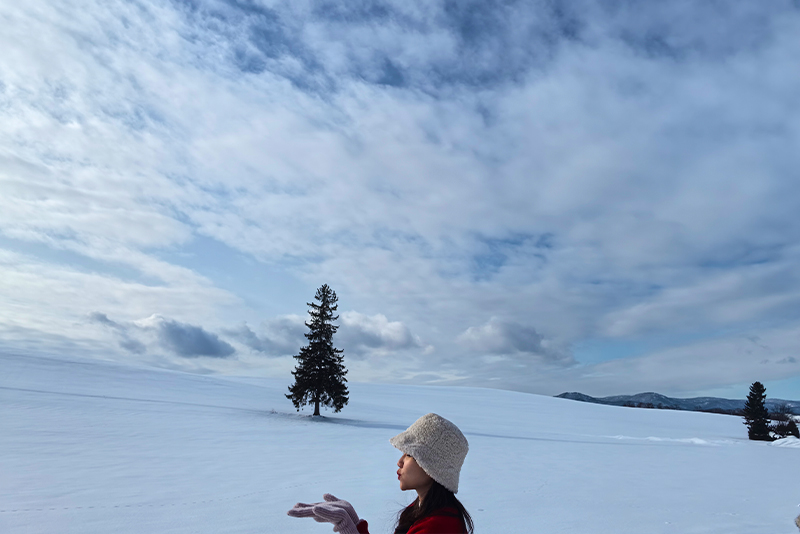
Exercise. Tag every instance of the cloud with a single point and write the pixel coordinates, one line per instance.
(187, 340)
(500, 337)
(124, 333)
(604, 171)
(724, 366)
(182, 339)
(102, 318)
(278, 336)
(360, 336)
(728, 360)
(363, 335)
(133, 346)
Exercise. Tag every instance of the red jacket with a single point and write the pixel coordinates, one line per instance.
(444, 521)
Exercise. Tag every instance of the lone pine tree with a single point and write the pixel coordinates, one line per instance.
(319, 375)
(755, 413)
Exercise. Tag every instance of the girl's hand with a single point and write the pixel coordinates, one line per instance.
(331, 510)
(344, 505)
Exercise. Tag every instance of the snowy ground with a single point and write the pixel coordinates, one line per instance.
(92, 447)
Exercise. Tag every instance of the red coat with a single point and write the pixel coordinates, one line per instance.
(444, 521)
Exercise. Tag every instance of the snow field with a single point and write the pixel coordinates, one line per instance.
(94, 447)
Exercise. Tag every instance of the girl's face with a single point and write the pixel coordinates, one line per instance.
(411, 475)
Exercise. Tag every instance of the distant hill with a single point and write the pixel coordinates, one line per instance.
(697, 404)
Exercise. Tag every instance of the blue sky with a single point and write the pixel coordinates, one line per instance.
(542, 196)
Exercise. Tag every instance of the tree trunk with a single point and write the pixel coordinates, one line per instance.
(316, 406)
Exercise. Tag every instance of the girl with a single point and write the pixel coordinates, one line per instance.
(433, 452)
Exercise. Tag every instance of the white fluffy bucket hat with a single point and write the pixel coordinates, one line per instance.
(438, 447)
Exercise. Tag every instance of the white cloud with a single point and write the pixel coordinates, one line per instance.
(365, 336)
(279, 336)
(411, 156)
(504, 340)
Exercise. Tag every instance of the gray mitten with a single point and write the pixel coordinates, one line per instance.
(332, 510)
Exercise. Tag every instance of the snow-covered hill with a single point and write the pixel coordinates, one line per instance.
(93, 447)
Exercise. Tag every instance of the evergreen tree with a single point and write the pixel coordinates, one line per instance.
(319, 375)
(755, 413)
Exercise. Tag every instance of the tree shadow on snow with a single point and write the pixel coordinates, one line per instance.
(355, 422)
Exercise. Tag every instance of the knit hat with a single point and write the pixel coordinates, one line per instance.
(438, 447)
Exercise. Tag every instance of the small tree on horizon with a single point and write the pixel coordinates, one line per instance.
(320, 372)
(756, 416)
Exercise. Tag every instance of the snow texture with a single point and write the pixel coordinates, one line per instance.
(94, 447)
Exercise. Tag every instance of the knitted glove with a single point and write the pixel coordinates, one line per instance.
(343, 505)
(332, 510)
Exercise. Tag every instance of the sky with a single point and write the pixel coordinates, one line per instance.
(542, 196)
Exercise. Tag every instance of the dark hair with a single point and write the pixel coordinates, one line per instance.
(438, 497)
